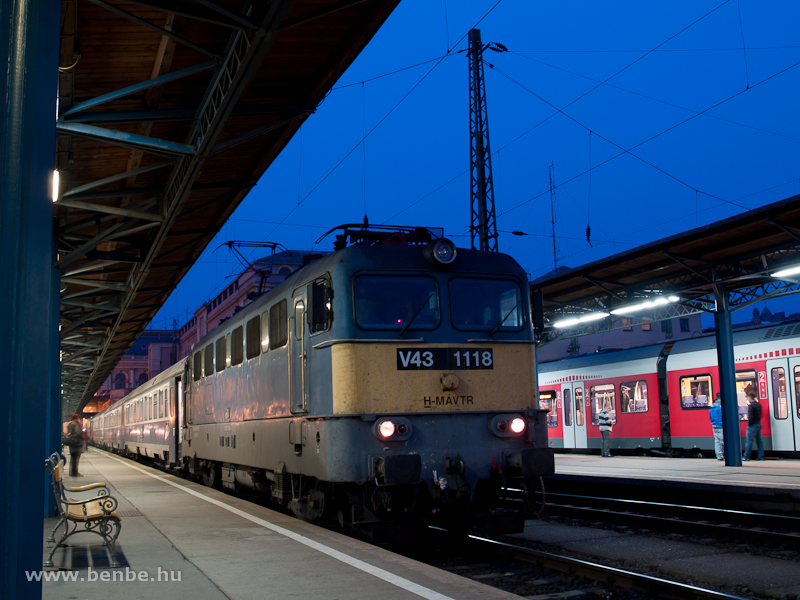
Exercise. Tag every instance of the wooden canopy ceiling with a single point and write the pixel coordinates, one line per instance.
(169, 113)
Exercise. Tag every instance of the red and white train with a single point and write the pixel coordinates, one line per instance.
(659, 395)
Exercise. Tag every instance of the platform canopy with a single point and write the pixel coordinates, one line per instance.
(677, 276)
(169, 112)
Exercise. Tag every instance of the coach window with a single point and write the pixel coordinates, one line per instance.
(547, 401)
(208, 360)
(278, 326)
(396, 303)
(154, 412)
(797, 388)
(697, 391)
(579, 406)
(161, 403)
(603, 396)
(485, 305)
(780, 405)
(221, 351)
(567, 408)
(633, 396)
(253, 337)
(264, 331)
(198, 366)
(745, 383)
(237, 346)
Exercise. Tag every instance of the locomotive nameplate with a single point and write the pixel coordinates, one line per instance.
(450, 359)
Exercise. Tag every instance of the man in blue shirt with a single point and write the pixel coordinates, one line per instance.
(715, 414)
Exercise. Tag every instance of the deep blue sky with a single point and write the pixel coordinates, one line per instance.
(681, 60)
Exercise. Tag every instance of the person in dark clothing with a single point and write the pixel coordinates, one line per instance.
(753, 428)
(75, 436)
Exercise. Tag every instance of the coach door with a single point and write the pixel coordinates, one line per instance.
(782, 404)
(573, 415)
(298, 362)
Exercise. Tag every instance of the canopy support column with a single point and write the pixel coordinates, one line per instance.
(727, 379)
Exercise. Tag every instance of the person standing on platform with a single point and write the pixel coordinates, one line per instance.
(753, 428)
(715, 414)
(604, 421)
(75, 443)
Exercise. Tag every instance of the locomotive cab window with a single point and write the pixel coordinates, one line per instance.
(237, 346)
(547, 401)
(320, 309)
(485, 305)
(633, 396)
(396, 303)
(696, 391)
(278, 325)
(745, 383)
(600, 396)
(254, 337)
(780, 404)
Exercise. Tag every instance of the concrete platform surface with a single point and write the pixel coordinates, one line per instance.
(181, 540)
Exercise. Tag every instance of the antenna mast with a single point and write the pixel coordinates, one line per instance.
(553, 214)
(483, 225)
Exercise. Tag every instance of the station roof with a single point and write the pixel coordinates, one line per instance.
(739, 253)
(169, 113)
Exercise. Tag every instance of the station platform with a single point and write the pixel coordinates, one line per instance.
(182, 540)
(771, 485)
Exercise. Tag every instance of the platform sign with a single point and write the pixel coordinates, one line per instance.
(762, 385)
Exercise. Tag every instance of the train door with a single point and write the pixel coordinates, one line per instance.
(297, 353)
(783, 418)
(573, 415)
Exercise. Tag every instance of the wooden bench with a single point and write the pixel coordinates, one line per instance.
(92, 515)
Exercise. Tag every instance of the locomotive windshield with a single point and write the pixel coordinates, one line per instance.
(389, 303)
(485, 305)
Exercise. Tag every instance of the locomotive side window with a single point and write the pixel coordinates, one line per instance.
(228, 350)
(547, 401)
(633, 396)
(396, 303)
(220, 353)
(320, 311)
(253, 337)
(299, 322)
(264, 331)
(237, 346)
(278, 325)
(208, 360)
(578, 406)
(780, 405)
(197, 372)
(485, 305)
(603, 395)
(697, 391)
(745, 383)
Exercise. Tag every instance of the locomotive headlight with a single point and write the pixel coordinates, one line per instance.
(507, 425)
(518, 425)
(441, 251)
(386, 428)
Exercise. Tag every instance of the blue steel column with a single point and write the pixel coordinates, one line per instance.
(727, 379)
(29, 36)
(54, 419)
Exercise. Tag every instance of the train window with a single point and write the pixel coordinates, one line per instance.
(253, 342)
(603, 395)
(578, 406)
(198, 366)
(567, 407)
(208, 360)
(633, 396)
(264, 331)
(237, 346)
(745, 383)
(320, 311)
(485, 305)
(170, 412)
(696, 391)
(780, 404)
(228, 350)
(278, 326)
(221, 351)
(154, 412)
(547, 401)
(396, 303)
(299, 321)
(797, 388)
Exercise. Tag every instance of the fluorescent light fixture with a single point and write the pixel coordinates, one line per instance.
(787, 272)
(55, 185)
(661, 301)
(578, 320)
